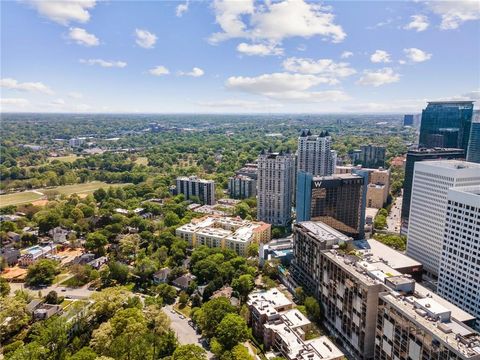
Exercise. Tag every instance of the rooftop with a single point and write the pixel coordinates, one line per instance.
(322, 231)
(391, 257)
(453, 334)
(452, 164)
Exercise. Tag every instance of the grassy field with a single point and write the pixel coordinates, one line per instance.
(141, 160)
(68, 158)
(26, 197)
(19, 198)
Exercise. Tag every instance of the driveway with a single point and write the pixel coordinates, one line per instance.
(77, 293)
(393, 219)
(186, 334)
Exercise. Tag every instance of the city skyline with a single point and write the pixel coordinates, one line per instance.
(250, 57)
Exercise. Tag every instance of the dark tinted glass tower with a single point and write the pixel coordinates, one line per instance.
(421, 155)
(408, 120)
(334, 200)
(446, 124)
(473, 152)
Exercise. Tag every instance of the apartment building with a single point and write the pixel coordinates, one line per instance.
(315, 154)
(190, 186)
(282, 329)
(410, 327)
(459, 274)
(310, 238)
(275, 186)
(349, 282)
(428, 206)
(242, 187)
(224, 232)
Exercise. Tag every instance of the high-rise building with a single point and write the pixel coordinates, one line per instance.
(371, 307)
(408, 120)
(473, 152)
(422, 155)
(446, 124)
(410, 327)
(372, 156)
(250, 170)
(275, 186)
(190, 186)
(242, 187)
(460, 262)
(428, 206)
(336, 200)
(315, 154)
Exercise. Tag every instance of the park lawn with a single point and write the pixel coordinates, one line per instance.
(85, 188)
(23, 197)
(142, 160)
(68, 158)
(184, 310)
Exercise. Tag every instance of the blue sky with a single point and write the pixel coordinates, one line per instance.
(237, 56)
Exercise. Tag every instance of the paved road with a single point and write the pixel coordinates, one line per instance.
(393, 219)
(78, 293)
(186, 334)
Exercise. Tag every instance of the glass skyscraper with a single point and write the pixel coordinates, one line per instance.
(473, 152)
(446, 124)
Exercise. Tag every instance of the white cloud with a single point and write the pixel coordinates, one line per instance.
(181, 9)
(454, 13)
(378, 77)
(196, 72)
(380, 56)
(14, 103)
(13, 84)
(64, 12)
(259, 49)
(285, 86)
(145, 38)
(325, 67)
(418, 23)
(58, 102)
(82, 37)
(473, 95)
(274, 21)
(159, 71)
(346, 54)
(416, 55)
(75, 95)
(104, 63)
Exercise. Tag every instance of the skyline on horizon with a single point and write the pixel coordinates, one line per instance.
(284, 57)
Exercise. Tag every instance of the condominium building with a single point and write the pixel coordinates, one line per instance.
(410, 327)
(275, 186)
(446, 124)
(310, 238)
(190, 186)
(250, 170)
(282, 329)
(372, 156)
(242, 187)
(315, 154)
(414, 156)
(428, 207)
(408, 120)
(459, 274)
(349, 283)
(224, 232)
(336, 200)
(76, 142)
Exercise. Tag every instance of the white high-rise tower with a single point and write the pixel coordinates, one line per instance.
(315, 154)
(429, 203)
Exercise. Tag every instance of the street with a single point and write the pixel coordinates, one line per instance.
(394, 218)
(186, 334)
(78, 293)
